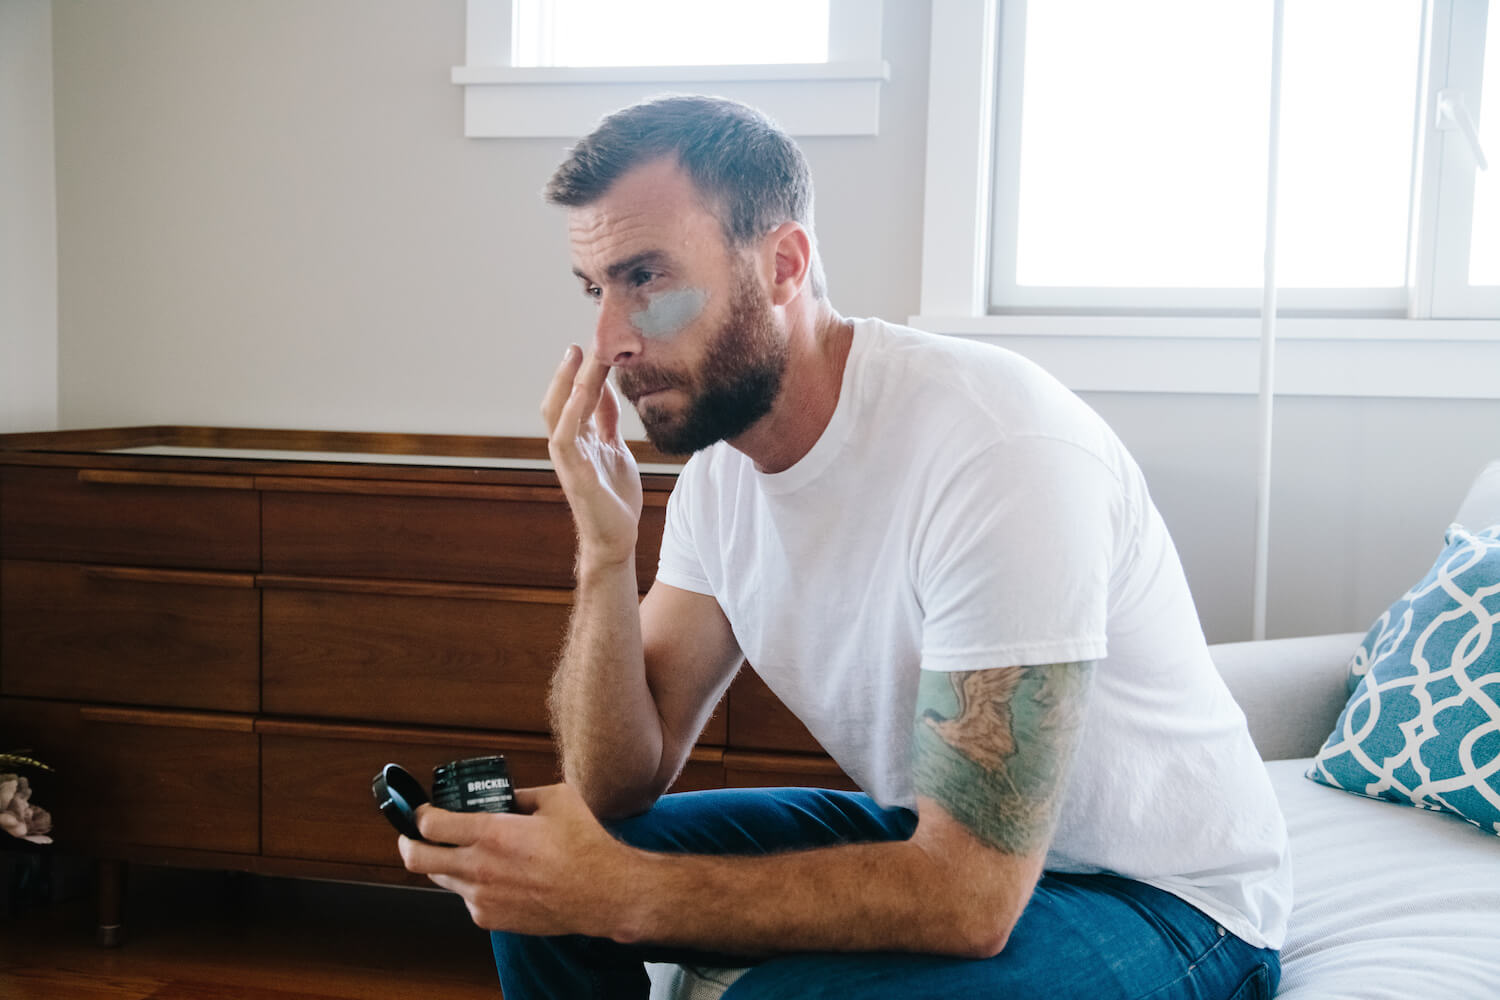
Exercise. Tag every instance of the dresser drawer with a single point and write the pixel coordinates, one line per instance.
(520, 536)
(136, 777)
(181, 639)
(759, 721)
(446, 656)
(772, 770)
(133, 518)
(316, 796)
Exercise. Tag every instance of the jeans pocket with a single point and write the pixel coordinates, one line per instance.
(1256, 986)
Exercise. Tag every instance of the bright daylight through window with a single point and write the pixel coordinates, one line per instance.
(1132, 146)
(669, 32)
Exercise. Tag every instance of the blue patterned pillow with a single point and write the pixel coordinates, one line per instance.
(1422, 726)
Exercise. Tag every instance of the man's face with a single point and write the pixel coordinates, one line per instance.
(683, 319)
(732, 386)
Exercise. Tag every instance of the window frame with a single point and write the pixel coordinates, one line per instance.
(1338, 356)
(1458, 28)
(839, 97)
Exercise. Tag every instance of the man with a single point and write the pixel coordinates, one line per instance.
(940, 559)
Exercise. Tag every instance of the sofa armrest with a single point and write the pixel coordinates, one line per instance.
(1481, 508)
(1291, 690)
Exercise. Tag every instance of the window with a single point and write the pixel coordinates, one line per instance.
(668, 33)
(1463, 266)
(554, 67)
(1106, 179)
(1142, 182)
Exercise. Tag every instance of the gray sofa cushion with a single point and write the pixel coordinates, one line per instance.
(1292, 690)
(1391, 903)
(1481, 508)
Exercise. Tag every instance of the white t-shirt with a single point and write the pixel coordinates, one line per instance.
(964, 511)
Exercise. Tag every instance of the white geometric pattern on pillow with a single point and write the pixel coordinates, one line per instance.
(1422, 726)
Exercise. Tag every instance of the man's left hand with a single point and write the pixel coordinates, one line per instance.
(550, 868)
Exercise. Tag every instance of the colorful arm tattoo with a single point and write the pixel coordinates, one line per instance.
(992, 747)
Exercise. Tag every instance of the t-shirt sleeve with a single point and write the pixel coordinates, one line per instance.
(679, 565)
(1014, 565)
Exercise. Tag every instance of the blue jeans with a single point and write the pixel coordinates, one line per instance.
(1097, 937)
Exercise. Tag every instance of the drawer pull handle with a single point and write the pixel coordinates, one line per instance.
(131, 574)
(183, 480)
(167, 720)
(402, 488)
(413, 588)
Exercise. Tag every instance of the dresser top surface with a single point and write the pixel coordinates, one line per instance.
(294, 452)
(362, 458)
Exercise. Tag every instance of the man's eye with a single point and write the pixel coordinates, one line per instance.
(640, 278)
(593, 291)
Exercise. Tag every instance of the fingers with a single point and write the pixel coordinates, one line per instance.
(579, 392)
(454, 829)
(444, 835)
(529, 800)
(562, 385)
(608, 414)
(588, 387)
(424, 859)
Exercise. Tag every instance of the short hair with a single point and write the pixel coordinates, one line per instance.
(749, 172)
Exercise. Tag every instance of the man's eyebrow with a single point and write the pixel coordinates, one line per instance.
(647, 258)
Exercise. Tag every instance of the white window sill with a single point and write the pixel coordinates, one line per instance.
(1400, 358)
(839, 98)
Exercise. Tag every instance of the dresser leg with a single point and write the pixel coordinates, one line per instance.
(111, 900)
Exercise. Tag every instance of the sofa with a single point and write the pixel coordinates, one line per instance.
(1390, 901)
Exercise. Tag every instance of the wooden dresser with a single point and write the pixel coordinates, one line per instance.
(218, 636)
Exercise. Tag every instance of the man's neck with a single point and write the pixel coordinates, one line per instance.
(818, 349)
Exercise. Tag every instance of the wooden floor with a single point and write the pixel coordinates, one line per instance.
(210, 936)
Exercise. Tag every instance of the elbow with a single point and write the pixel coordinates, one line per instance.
(975, 935)
(615, 811)
(613, 804)
(616, 798)
(982, 928)
(613, 790)
(985, 941)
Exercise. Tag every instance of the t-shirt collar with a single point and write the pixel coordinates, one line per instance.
(826, 449)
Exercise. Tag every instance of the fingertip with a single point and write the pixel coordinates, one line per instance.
(531, 799)
(429, 817)
(572, 361)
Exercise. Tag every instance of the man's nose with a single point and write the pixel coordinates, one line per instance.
(616, 340)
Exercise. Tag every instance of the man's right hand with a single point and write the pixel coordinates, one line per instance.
(597, 471)
(637, 678)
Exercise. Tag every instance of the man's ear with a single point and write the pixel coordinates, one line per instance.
(790, 251)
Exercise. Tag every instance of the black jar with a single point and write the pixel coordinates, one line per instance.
(475, 784)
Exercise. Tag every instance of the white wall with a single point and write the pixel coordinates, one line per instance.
(28, 213)
(1362, 490)
(267, 215)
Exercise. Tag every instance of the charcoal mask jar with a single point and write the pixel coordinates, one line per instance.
(475, 784)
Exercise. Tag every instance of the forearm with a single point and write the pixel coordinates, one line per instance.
(893, 896)
(603, 714)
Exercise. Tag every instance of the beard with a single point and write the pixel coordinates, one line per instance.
(736, 384)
